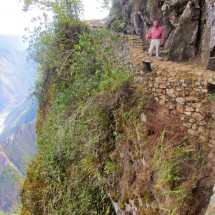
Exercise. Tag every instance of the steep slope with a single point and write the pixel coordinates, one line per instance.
(18, 138)
(16, 151)
(119, 133)
(9, 181)
(142, 146)
(22, 113)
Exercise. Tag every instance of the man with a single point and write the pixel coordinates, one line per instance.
(157, 38)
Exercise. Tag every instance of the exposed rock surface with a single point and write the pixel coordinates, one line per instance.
(15, 152)
(188, 25)
(209, 36)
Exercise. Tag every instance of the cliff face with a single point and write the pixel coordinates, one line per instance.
(13, 72)
(117, 136)
(142, 144)
(188, 25)
(18, 147)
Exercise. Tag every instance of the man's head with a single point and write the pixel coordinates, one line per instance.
(155, 23)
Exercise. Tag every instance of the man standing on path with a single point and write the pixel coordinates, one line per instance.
(157, 38)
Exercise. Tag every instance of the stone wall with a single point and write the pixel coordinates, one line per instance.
(181, 90)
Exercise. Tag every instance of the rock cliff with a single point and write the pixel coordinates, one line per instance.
(119, 133)
(149, 143)
(188, 25)
(15, 152)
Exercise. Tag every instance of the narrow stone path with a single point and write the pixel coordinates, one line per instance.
(139, 51)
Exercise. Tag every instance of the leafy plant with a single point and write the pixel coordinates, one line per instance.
(76, 67)
(211, 96)
(172, 164)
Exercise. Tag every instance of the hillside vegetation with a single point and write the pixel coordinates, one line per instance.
(187, 24)
(91, 139)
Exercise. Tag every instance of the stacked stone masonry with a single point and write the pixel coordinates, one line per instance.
(180, 89)
(183, 90)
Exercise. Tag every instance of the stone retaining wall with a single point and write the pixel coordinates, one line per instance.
(182, 90)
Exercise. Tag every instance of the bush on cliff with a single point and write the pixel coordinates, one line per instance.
(92, 143)
(76, 66)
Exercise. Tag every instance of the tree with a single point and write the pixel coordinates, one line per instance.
(59, 8)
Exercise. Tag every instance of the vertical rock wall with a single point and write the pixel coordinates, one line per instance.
(189, 25)
(208, 49)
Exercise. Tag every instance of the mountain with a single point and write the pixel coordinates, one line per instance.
(23, 113)
(15, 78)
(17, 119)
(8, 182)
(18, 139)
(15, 152)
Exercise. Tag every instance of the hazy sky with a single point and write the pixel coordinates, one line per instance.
(13, 20)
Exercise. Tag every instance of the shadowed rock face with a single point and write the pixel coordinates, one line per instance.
(209, 42)
(188, 25)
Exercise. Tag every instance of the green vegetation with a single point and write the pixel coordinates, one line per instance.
(90, 136)
(211, 96)
(9, 181)
(77, 68)
(175, 168)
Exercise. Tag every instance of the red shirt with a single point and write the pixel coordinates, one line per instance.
(156, 33)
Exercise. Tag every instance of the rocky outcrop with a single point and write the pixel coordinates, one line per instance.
(188, 25)
(184, 37)
(208, 48)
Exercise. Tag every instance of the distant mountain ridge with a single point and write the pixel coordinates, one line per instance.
(23, 113)
(15, 78)
(17, 119)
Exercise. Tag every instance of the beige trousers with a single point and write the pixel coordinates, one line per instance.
(155, 44)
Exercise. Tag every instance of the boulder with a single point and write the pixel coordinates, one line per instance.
(138, 24)
(183, 42)
(211, 64)
(184, 38)
(208, 46)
